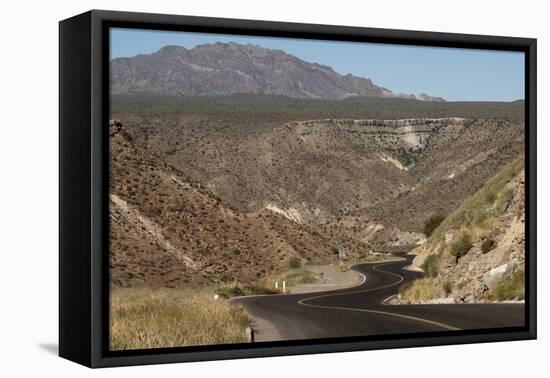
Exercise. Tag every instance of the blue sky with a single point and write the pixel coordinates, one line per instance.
(454, 74)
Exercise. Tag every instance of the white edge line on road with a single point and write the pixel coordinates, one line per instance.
(385, 301)
(402, 278)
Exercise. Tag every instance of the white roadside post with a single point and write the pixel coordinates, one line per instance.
(284, 287)
(250, 334)
(276, 285)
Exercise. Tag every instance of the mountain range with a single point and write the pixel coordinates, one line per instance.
(230, 68)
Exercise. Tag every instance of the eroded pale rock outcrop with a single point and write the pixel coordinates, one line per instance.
(409, 134)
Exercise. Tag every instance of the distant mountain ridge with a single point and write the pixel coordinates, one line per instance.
(231, 68)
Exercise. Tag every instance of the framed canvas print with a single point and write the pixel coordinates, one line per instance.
(234, 188)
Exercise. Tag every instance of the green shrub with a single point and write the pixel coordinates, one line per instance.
(298, 277)
(487, 245)
(490, 196)
(431, 265)
(230, 291)
(506, 196)
(432, 223)
(461, 245)
(295, 263)
(512, 287)
(257, 289)
(448, 287)
(171, 151)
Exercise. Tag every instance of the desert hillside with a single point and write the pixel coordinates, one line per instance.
(168, 230)
(478, 252)
(372, 179)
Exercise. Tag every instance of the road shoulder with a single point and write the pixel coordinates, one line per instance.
(330, 279)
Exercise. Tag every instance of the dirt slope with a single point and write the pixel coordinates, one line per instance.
(167, 230)
(478, 252)
(375, 180)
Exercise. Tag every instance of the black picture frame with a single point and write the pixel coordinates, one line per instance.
(83, 181)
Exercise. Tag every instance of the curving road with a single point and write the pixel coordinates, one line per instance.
(359, 311)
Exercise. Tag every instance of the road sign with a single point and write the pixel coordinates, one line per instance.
(341, 252)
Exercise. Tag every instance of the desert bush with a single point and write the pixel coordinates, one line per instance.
(295, 263)
(258, 289)
(431, 265)
(230, 291)
(299, 277)
(171, 151)
(461, 245)
(432, 223)
(490, 196)
(512, 287)
(448, 287)
(487, 245)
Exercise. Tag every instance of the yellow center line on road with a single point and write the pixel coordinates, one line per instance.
(401, 279)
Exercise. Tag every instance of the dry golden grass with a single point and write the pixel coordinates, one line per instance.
(158, 318)
(478, 212)
(292, 277)
(342, 268)
(418, 290)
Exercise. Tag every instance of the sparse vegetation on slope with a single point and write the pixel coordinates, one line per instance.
(461, 245)
(510, 288)
(477, 252)
(432, 223)
(477, 212)
(269, 152)
(430, 266)
(295, 263)
(487, 245)
(170, 231)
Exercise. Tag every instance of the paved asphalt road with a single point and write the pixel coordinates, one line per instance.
(359, 311)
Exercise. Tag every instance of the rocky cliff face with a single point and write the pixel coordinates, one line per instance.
(229, 68)
(478, 252)
(410, 135)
